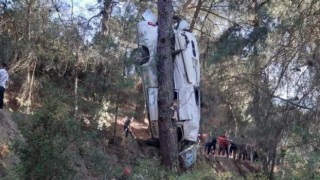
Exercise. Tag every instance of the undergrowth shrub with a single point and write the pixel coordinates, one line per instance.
(148, 169)
(302, 167)
(151, 169)
(56, 147)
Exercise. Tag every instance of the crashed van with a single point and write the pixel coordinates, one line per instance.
(186, 81)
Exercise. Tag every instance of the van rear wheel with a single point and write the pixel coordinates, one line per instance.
(153, 142)
(140, 55)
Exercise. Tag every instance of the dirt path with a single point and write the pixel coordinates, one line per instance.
(139, 129)
(219, 163)
(236, 167)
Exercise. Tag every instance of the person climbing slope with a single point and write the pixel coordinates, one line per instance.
(127, 127)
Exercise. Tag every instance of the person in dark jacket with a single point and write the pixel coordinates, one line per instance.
(127, 127)
(233, 149)
(211, 144)
(242, 150)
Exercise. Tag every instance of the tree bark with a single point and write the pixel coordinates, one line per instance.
(31, 84)
(105, 16)
(196, 14)
(273, 162)
(140, 106)
(167, 130)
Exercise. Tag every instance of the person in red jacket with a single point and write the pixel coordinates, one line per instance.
(223, 145)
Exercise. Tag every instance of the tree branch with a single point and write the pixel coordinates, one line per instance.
(209, 11)
(196, 13)
(278, 97)
(95, 16)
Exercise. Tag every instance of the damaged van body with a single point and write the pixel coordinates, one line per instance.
(186, 81)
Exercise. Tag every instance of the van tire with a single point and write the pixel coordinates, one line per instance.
(140, 55)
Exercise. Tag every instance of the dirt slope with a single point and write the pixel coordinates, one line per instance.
(137, 149)
(236, 167)
(8, 134)
(124, 151)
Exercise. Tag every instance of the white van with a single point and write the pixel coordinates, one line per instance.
(186, 81)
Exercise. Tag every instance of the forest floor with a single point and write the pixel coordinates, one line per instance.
(140, 129)
(220, 164)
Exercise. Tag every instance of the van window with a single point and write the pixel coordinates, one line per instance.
(197, 95)
(193, 49)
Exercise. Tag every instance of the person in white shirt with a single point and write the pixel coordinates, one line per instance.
(4, 78)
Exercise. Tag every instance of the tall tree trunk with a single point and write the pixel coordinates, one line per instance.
(31, 83)
(32, 56)
(234, 118)
(116, 116)
(105, 16)
(204, 37)
(167, 130)
(196, 14)
(273, 162)
(118, 98)
(139, 110)
(76, 80)
(30, 18)
(257, 110)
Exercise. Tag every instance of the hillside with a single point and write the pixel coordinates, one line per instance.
(9, 133)
(235, 167)
(124, 152)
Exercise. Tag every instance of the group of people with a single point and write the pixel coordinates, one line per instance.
(230, 148)
(223, 145)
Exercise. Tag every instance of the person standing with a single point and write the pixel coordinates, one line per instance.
(212, 144)
(233, 148)
(242, 150)
(4, 78)
(127, 127)
(223, 145)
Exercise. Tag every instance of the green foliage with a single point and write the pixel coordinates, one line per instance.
(233, 42)
(148, 169)
(55, 146)
(257, 176)
(145, 169)
(6, 47)
(203, 171)
(47, 136)
(299, 167)
(230, 43)
(105, 43)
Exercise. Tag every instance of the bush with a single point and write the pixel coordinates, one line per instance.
(56, 147)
